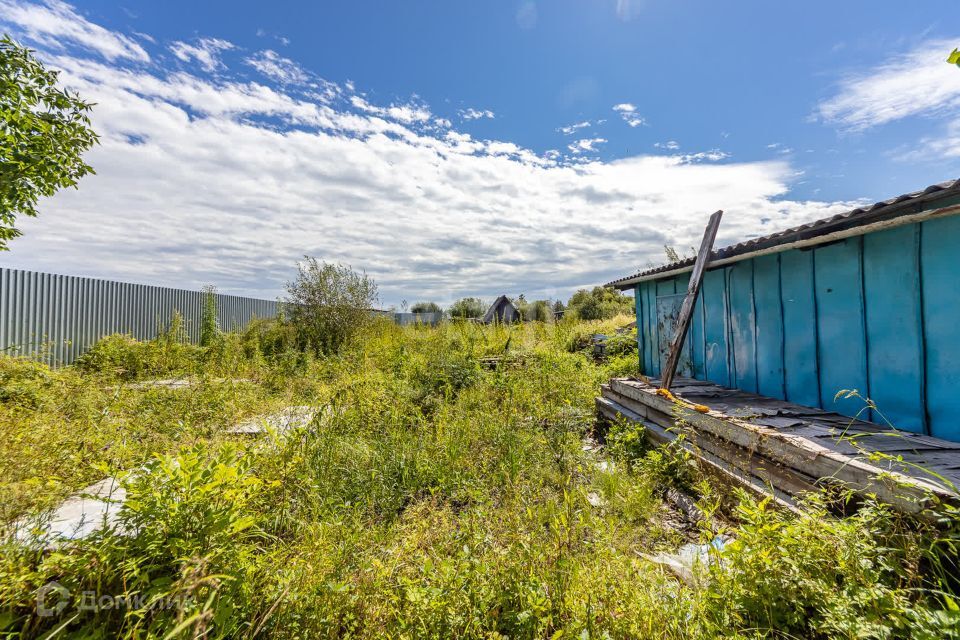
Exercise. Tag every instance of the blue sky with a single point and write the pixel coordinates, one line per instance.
(454, 148)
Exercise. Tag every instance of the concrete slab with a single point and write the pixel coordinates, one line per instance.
(94, 508)
(282, 421)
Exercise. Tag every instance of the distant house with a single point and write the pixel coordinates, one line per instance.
(502, 310)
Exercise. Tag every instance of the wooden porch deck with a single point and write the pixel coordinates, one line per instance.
(783, 449)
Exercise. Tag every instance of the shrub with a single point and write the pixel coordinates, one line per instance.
(468, 308)
(329, 304)
(426, 307)
(538, 311)
(599, 303)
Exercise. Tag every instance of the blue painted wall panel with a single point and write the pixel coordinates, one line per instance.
(666, 287)
(638, 311)
(766, 294)
(695, 338)
(714, 294)
(891, 280)
(651, 311)
(799, 328)
(939, 242)
(742, 325)
(840, 325)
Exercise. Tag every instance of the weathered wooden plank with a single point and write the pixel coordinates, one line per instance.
(693, 290)
(720, 467)
(782, 477)
(906, 493)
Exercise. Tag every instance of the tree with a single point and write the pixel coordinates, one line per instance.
(539, 311)
(426, 307)
(954, 57)
(468, 308)
(44, 130)
(599, 303)
(329, 304)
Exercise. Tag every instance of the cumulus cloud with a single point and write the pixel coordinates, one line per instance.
(475, 114)
(915, 83)
(212, 179)
(629, 114)
(669, 145)
(206, 52)
(54, 24)
(276, 67)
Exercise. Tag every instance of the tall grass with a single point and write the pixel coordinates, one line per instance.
(435, 496)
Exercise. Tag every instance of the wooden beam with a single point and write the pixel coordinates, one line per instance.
(686, 311)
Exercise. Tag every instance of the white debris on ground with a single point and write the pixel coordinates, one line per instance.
(177, 383)
(689, 558)
(290, 418)
(90, 510)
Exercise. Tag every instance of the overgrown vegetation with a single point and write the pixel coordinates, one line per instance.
(432, 497)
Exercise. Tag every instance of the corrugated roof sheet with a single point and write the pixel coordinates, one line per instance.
(905, 204)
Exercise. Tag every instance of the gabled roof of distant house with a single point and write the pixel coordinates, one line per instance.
(489, 315)
(809, 234)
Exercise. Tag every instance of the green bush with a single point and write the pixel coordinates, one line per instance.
(122, 357)
(24, 382)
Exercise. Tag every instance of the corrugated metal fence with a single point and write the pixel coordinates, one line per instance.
(405, 318)
(60, 316)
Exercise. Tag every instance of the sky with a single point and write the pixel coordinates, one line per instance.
(452, 148)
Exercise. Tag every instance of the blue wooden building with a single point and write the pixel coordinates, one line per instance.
(866, 300)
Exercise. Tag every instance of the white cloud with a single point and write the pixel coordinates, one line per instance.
(405, 113)
(714, 155)
(779, 147)
(475, 114)
(210, 179)
(54, 24)
(276, 67)
(585, 144)
(627, 9)
(567, 130)
(629, 114)
(206, 52)
(669, 145)
(918, 82)
(527, 15)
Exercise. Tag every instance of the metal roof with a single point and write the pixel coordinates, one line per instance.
(905, 204)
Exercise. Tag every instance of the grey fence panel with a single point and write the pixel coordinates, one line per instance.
(56, 317)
